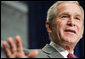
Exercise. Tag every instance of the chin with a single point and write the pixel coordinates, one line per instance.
(70, 40)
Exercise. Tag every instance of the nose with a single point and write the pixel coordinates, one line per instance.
(70, 22)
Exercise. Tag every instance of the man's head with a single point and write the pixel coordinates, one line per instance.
(65, 22)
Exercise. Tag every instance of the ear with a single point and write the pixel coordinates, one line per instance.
(48, 27)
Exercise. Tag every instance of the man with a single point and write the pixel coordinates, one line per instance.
(65, 25)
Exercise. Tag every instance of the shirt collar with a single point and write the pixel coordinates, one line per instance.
(61, 50)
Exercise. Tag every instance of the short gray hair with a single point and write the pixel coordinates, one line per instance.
(53, 9)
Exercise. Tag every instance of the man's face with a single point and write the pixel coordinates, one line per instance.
(68, 24)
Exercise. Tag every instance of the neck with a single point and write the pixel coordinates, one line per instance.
(68, 47)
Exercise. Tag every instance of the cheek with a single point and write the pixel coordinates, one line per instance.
(80, 29)
(60, 27)
(60, 24)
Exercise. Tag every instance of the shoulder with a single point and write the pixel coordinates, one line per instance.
(40, 55)
(46, 52)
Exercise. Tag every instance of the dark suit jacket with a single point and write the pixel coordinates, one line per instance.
(46, 52)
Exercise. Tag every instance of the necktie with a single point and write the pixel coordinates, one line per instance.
(70, 55)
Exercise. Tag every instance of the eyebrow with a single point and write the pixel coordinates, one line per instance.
(78, 15)
(66, 13)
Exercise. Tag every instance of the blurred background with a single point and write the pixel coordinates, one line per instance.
(27, 19)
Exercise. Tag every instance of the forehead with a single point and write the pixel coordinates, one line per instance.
(71, 8)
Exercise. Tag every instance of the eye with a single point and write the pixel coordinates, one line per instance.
(64, 16)
(77, 18)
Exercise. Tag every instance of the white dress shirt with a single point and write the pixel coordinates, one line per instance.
(61, 50)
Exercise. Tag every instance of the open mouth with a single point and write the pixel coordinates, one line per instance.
(70, 30)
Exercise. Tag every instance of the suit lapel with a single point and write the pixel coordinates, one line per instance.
(51, 52)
